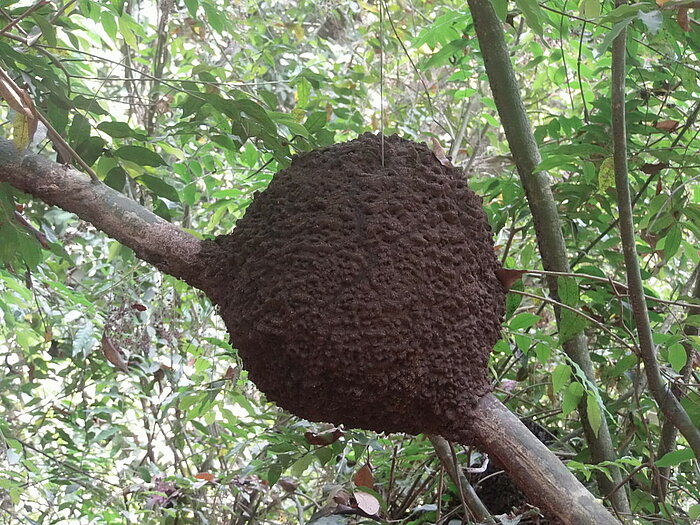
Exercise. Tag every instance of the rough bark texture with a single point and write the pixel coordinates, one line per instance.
(153, 239)
(365, 294)
(544, 212)
(538, 473)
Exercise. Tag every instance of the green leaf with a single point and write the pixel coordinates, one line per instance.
(442, 30)
(91, 149)
(202, 364)
(189, 193)
(691, 403)
(513, 300)
(324, 454)
(315, 121)
(159, 187)
(88, 104)
(543, 352)
(214, 17)
(79, 130)
(117, 130)
(624, 12)
(694, 511)
(301, 464)
(192, 6)
(274, 473)
(127, 33)
(533, 14)
(140, 155)
(677, 356)
(570, 325)
(675, 457)
(84, 340)
(523, 320)
(567, 289)
(606, 175)
(29, 249)
(590, 9)
(610, 36)
(552, 161)
(501, 8)
(560, 376)
(48, 30)
(594, 413)
(443, 56)
(116, 178)
(109, 24)
(672, 241)
(626, 363)
(572, 397)
(303, 92)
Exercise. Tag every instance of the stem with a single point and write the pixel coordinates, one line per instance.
(550, 240)
(543, 478)
(153, 239)
(669, 431)
(476, 506)
(666, 400)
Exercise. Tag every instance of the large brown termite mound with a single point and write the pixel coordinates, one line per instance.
(357, 291)
(365, 293)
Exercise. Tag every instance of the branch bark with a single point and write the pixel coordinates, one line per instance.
(669, 432)
(550, 240)
(471, 499)
(152, 238)
(538, 473)
(666, 400)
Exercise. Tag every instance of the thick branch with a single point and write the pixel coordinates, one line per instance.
(668, 403)
(550, 240)
(153, 239)
(535, 470)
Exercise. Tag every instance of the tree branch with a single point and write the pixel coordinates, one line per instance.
(152, 238)
(667, 401)
(543, 478)
(550, 240)
(476, 506)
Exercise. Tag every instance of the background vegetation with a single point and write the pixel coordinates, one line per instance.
(122, 401)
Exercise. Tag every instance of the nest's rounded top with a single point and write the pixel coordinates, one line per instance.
(365, 294)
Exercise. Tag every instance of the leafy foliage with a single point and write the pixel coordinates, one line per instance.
(190, 108)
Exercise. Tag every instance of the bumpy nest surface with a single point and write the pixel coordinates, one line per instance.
(362, 294)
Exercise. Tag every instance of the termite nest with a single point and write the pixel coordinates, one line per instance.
(364, 292)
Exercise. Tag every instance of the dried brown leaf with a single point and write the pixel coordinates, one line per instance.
(206, 476)
(364, 477)
(113, 354)
(682, 19)
(367, 503)
(440, 153)
(508, 277)
(666, 125)
(288, 484)
(323, 438)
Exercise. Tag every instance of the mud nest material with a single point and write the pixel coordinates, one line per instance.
(362, 294)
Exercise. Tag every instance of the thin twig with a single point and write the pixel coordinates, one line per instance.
(577, 312)
(24, 15)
